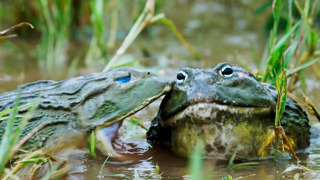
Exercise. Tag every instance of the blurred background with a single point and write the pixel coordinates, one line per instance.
(72, 37)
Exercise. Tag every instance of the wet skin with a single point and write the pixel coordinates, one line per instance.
(92, 102)
(224, 109)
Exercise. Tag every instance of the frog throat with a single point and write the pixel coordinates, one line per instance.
(211, 112)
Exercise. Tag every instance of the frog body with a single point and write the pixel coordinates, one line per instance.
(225, 110)
(82, 104)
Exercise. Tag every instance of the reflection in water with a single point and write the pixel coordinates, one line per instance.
(143, 165)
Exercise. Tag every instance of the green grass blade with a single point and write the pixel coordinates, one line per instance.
(281, 43)
(8, 117)
(10, 110)
(227, 177)
(281, 82)
(133, 33)
(172, 27)
(288, 58)
(117, 175)
(195, 163)
(101, 169)
(244, 165)
(92, 144)
(264, 60)
(301, 67)
(7, 137)
(22, 124)
(230, 163)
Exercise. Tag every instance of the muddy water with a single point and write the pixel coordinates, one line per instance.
(220, 31)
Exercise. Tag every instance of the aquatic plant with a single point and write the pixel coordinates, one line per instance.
(98, 48)
(5, 34)
(62, 27)
(146, 18)
(55, 23)
(295, 48)
(9, 141)
(195, 165)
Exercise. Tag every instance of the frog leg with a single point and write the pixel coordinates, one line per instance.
(287, 144)
(268, 141)
(104, 137)
(262, 151)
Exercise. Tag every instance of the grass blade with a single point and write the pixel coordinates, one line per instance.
(281, 82)
(172, 27)
(4, 33)
(230, 163)
(8, 136)
(101, 169)
(92, 144)
(281, 43)
(301, 67)
(10, 110)
(195, 163)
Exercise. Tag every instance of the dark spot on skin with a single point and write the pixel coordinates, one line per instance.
(217, 143)
(210, 81)
(209, 148)
(221, 149)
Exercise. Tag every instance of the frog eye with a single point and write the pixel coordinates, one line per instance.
(182, 77)
(124, 79)
(226, 71)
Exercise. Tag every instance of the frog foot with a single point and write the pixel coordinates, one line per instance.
(287, 143)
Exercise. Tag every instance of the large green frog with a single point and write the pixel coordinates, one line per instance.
(226, 110)
(83, 104)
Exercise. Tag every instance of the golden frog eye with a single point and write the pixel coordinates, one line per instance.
(182, 77)
(226, 71)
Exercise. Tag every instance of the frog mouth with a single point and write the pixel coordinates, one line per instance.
(212, 112)
(119, 117)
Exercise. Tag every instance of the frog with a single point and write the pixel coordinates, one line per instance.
(96, 102)
(225, 110)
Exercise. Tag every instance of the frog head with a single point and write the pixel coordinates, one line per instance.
(225, 84)
(121, 93)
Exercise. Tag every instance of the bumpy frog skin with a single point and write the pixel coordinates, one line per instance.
(224, 109)
(83, 104)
